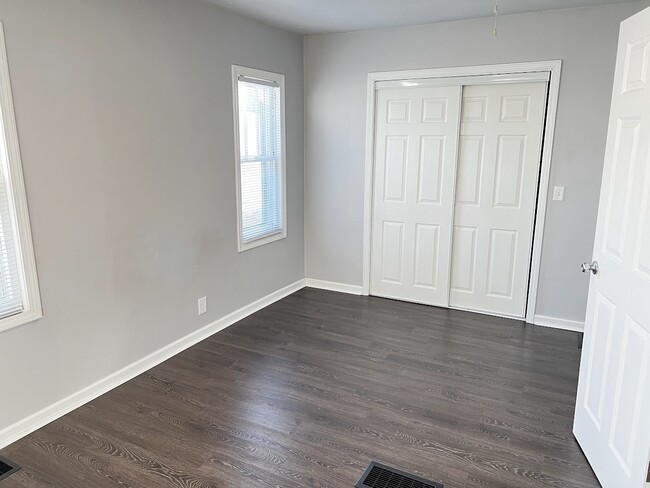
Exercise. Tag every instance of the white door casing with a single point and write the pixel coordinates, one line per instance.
(496, 193)
(549, 71)
(612, 420)
(415, 152)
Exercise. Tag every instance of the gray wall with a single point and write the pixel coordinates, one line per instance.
(336, 68)
(124, 112)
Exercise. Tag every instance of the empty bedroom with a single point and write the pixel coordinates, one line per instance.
(325, 244)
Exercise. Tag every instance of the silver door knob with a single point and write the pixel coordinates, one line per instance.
(593, 267)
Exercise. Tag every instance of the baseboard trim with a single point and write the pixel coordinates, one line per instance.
(333, 286)
(48, 414)
(557, 323)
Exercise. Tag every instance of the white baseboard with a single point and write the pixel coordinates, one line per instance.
(62, 407)
(556, 323)
(333, 286)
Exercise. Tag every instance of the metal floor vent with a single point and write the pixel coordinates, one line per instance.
(381, 476)
(7, 468)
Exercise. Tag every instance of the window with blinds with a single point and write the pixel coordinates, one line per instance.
(260, 158)
(11, 299)
(19, 296)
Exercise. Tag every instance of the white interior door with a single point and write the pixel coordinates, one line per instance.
(416, 145)
(496, 193)
(612, 421)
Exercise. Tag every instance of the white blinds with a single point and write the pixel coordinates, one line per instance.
(11, 299)
(260, 155)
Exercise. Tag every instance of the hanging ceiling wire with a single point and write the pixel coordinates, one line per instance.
(496, 15)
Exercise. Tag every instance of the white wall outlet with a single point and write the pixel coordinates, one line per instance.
(558, 193)
(203, 305)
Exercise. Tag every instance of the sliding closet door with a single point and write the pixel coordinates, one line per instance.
(496, 193)
(416, 145)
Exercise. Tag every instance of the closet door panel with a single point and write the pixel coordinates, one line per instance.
(496, 196)
(416, 145)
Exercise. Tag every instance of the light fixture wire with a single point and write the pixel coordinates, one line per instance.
(496, 15)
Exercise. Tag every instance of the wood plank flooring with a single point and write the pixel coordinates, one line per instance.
(308, 391)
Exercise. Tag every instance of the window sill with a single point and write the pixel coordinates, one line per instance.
(245, 246)
(21, 318)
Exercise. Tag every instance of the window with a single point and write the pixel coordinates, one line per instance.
(19, 297)
(260, 155)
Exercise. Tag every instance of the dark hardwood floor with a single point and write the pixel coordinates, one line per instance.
(308, 391)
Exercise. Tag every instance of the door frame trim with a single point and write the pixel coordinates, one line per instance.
(554, 68)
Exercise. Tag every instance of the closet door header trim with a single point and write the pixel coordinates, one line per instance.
(466, 80)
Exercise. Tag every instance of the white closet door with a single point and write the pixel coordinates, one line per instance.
(415, 158)
(496, 193)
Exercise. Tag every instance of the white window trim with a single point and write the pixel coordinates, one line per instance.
(18, 203)
(277, 78)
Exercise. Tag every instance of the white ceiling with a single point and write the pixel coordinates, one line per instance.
(320, 16)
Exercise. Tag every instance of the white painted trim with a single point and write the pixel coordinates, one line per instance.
(544, 183)
(368, 183)
(278, 78)
(457, 71)
(66, 405)
(467, 80)
(18, 203)
(333, 286)
(557, 323)
(553, 68)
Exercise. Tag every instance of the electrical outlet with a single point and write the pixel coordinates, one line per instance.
(558, 193)
(203, 305)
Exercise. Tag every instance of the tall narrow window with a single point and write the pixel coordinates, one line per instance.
(259, 129)
(19, 296)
